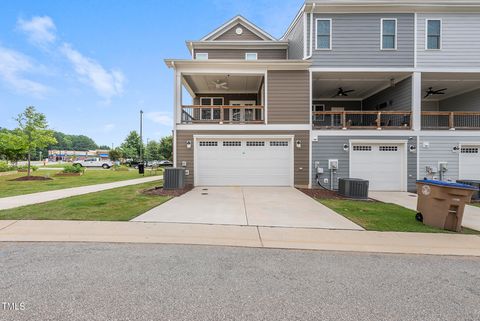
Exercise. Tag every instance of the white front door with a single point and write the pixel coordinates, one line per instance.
(470, 162)
(244, 162)
(382, 164)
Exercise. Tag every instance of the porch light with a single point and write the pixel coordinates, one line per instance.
(298, 143)
(345, 147)
(189, 144)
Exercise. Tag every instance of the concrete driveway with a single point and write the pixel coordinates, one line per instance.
(471, 215)
(258, 206)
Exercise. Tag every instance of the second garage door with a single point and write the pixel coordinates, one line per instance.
(244, 162)
(470, 162)
(383, 164)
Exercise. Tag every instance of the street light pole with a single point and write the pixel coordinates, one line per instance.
(141, 138)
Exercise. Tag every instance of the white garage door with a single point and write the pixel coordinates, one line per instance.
(244, 162)
(384, 165)
(470, 162)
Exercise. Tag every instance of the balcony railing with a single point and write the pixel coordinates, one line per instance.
(438, 120)
(223, 114)
(362, 120)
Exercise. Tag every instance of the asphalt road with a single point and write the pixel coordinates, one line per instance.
(53, 281)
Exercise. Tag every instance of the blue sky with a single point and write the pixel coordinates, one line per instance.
(91, 65)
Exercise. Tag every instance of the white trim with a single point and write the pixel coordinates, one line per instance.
(305, 36)
(415, 37)
(314, 105)
(265, 97)
(310, 152)
(201, 53)
(294, 22)
(409, 133)
(238, 19)
(426, 34)
(233, 127)
(384, 141)
(418, 157)
(244, 137)
(416, 103)
(381, 34)
(251, 53)
(316, 31)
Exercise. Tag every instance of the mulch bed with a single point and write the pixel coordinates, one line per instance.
(31, 178)
(321, 193)
(158, 190)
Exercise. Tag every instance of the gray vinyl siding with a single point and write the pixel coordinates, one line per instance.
(356, 41)
(230, 34)
(296, 41)
(466, 102)
(440, 149)
(429, 105)
(262, 54)
(347, 104)
(331, 147)
(288, 97)
(397, 98)
(460, 41)
(300, 159)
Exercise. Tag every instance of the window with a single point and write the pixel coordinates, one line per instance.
(210, 113)
(251, 56)
(279, 144)
(388, 148)
(469, 150)
(324, 34)
(389, 34)
(251, 144)
(234, 143)
(317, 109)
(434, 34)
(208, 144)
(201, 56)
(362, 148)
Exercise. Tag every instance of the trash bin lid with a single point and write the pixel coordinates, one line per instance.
(447, 184)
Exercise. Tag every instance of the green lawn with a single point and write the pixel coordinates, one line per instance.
(475, 204)
(91, 177)
(119, 204)
(377, 216)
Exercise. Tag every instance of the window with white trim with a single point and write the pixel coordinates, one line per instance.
(251, 56)
(434, 34)
(208, 144)
(257, 144)
(201, 56)
(388, 148)
(210, 113)
(323, 34)
(469, 150)
(232, 144)
(362, 148)
(389, 34)
(279, 144)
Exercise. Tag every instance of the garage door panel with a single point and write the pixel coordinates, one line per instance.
(244, 162)
(381, 164)
(470, 162)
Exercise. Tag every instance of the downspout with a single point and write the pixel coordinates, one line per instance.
(311, 30)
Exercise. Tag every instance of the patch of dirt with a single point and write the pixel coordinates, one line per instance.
(158, 190)
(321, 193)
(31, 178)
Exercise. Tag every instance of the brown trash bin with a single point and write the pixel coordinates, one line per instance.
(441, 204)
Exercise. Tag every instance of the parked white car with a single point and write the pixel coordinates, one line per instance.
(94, 162)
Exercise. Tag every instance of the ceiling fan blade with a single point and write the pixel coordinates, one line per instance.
(349, 91)
(441, 89)
(427, 95)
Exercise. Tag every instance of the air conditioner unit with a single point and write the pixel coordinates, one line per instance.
(174, 178)
(353, 188)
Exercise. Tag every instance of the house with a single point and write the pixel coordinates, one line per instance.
(387, 91)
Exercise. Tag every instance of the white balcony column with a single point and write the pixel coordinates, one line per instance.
(177, 97)
(417, 101)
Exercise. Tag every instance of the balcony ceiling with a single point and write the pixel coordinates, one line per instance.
(326, 84)
(456, 84)
(236, 84)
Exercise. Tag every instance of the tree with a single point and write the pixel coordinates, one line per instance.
(131, 146)
(11, 147)
(104, 147)
(166, 147)
(33, 132)
(115, 154)
(152, 150)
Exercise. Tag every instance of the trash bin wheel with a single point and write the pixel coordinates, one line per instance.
(419, 217)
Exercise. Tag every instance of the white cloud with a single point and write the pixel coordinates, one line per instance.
(41, 31)
(161, 118)
(13, 66)
(106, 83)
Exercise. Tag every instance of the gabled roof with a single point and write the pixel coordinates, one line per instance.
(262, 35)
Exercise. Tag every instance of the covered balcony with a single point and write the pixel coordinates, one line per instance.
(451, 101)
(361, 100)
(223, 99)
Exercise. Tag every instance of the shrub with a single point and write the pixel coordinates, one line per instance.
(24, 168)
(72, 169)
(119, 168)
(5, 167)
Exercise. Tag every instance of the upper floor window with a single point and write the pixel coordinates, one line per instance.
(251, 56)
(389, 34)
(434, 34)
(201, 56)
(324, 34)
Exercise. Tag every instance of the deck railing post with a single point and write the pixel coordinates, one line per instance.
(379, 120)
(344, 120)
(451, 121)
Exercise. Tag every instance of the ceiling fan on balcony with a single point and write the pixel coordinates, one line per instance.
(220, 84)
(343, 93)
(431, 92)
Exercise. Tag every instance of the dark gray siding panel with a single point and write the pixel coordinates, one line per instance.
(347, 104)
(331, 147)
(356, 42)
(397, 98)
(466, 102)
(301, 155)
(288, 97)
(230, 34)
(240, 53)
(296, 41)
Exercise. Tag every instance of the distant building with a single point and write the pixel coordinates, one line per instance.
(56, 155)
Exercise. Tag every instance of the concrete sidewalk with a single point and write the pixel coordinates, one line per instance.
(247, 236)
(42, 197)
(471, 215)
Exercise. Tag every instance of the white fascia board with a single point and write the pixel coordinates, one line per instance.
(239, 64)
(409, 133)
(294, 22)
(253, 127)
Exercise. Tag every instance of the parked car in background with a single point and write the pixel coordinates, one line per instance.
(94, 162)
(165, 163)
